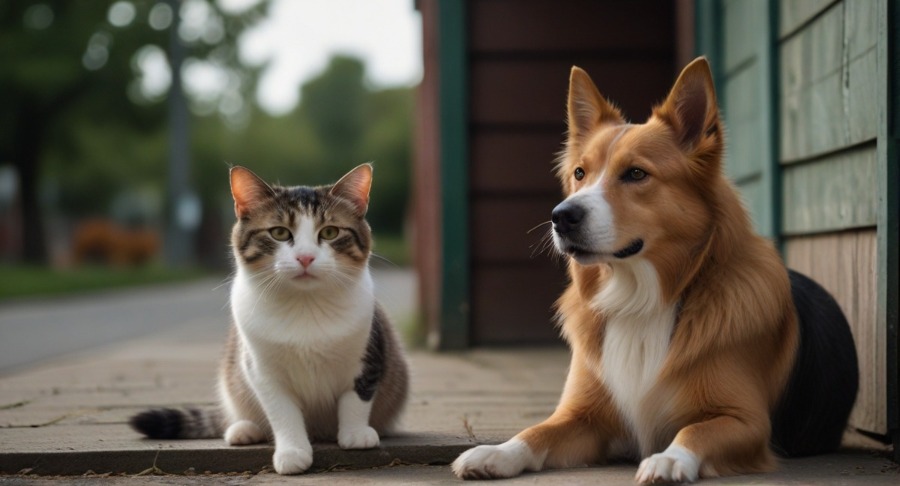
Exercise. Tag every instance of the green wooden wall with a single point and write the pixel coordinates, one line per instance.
(805, 90)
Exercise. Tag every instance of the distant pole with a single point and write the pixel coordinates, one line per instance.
(178, 237)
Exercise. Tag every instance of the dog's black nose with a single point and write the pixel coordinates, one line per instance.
(566, 217)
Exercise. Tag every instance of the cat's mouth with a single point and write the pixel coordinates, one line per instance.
(304, 275)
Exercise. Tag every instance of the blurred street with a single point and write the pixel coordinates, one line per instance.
(37, 329)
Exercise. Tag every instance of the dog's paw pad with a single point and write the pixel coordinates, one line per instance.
(500, 461)
(291, 460)
(675, 464)
(244, 432)
(359, 438)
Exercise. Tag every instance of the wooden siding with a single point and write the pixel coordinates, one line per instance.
(745, 95)
(520, 53)
(846, 264)
(836, 192)
(830, 203)
(828, 82)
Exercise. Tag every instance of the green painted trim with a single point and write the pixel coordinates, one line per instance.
(453, 102)
(708, 36)
(888, 301)
(775, 175)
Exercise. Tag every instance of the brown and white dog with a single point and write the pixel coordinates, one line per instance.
(694, 349)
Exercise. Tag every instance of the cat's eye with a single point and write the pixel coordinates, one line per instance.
(633, 174)
(579, 173)
(329, 232)
(280, 233)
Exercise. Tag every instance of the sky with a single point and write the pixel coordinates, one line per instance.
(298, 37)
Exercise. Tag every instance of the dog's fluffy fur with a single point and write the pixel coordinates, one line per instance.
(693, 348)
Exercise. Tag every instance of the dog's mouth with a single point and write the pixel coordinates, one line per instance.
(633, 248)
(586, 256)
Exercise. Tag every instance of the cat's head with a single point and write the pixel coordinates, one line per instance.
(306, 237)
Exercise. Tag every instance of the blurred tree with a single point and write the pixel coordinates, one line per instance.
(333, 104)
(340, 123)
(71, 67)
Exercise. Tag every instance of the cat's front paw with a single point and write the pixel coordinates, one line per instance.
(675, 464)
(495, 461)
(292, 460)
(244, 432)
(358, 438)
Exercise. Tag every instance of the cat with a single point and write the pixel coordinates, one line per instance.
(310, 355)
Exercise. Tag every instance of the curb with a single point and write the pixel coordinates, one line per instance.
(423, 450)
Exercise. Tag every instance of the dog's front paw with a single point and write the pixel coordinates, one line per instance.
(292, 460)
(495, 461)
(358, 438)
(675, 464)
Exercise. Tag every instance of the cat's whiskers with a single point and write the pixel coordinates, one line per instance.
(384, 259)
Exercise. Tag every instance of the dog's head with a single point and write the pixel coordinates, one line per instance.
(638, 190)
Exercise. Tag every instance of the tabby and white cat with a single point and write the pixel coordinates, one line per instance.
(311, 354)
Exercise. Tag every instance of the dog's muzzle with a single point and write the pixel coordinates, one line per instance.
(567, 218)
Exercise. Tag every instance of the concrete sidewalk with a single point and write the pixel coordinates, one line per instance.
(68, 417)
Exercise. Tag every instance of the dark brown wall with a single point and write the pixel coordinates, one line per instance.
(520, 54)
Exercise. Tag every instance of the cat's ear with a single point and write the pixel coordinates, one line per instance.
(355, 186)
(248, 191)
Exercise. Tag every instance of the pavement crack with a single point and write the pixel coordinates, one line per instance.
(11, 406)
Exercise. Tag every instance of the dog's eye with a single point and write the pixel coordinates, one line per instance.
(633, 174)
(579, 173)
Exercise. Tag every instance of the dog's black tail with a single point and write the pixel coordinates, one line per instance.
(813, 411)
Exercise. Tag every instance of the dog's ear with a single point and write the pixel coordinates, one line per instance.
(587, 107)
(693, 113)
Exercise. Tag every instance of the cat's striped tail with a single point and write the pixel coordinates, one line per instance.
(178, 423)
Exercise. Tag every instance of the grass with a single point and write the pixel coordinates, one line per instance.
(18, 281)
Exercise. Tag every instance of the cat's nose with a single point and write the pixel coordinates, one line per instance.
(305, 260)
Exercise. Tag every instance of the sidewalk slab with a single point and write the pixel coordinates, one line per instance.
(68, 417)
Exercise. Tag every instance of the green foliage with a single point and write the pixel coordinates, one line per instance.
(38, 281)
(339, 124)
(79, 129)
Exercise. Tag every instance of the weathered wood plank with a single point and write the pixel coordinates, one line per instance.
(742, 20)
(814, 53)
(513, 304)
(835, 112)
(741, 95)
(515, 162)
(793, 13)
(837, 192)
(527, 92)
(860, 26)
(542, 26)
(828, 81)
(502, 228)
(845, 264)
(754, 195)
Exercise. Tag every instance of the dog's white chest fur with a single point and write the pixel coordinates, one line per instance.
(636, 340)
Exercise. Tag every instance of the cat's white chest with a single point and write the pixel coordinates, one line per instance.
(315, 320)
(313, 341)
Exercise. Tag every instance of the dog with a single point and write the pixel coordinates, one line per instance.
(693, 349)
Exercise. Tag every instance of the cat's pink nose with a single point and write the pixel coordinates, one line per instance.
(305, 260)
